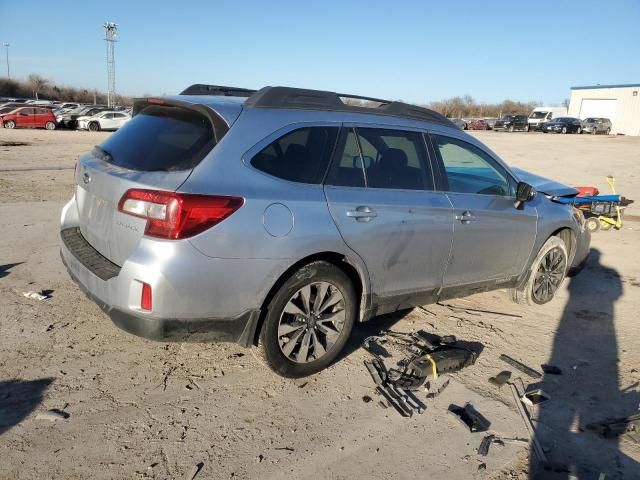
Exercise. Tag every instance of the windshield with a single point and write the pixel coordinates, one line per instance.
(538, 114)
(563, 119)
(590, 120)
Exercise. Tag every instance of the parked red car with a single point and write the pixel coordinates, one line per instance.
(29, 117)
(478, 125)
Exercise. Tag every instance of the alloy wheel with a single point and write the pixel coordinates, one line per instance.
(311, 322)
(549, 275)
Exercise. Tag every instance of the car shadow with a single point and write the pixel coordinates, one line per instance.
(4, 269)
(18, 398)
(585, 348)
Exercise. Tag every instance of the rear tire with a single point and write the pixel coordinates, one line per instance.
(546, 274)
(579, 131)
(594, 131)
(50, 126)
(607, 131)
(605, 226)
(309, 320)
(10, 124)
(511, 128)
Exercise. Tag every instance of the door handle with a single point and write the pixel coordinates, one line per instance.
(466, 218)
(362, 213)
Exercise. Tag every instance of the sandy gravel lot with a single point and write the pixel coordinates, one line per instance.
(140, 409)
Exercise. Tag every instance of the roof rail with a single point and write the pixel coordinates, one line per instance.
(287, 97)
(202, 89)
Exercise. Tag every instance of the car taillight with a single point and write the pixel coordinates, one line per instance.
(177, 215)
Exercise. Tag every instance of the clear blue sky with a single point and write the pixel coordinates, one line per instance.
(417, 51)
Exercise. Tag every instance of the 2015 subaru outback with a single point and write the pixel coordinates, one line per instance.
(282, 217)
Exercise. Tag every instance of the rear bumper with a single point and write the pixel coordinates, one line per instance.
(240, 329)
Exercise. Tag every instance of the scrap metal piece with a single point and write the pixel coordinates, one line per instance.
(535, 397)
(537, 448)
(395, 403)
(483, 449)
(439, 390)
(520, 366)
(617, 427)
(551, 369)
(470, 417)
(373, 372)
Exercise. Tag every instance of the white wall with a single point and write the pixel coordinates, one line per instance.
(625, 115)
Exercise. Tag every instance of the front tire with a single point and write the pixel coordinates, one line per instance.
(546, 274)
(592, 224)
(10, 124)
(309, 320)
(564, 129)
(511, 128)
(94, 126)
(526, 129)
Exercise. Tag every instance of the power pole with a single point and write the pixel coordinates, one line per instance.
(111, 30)
(6, 46)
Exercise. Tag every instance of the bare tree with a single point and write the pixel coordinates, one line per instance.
(37, 83)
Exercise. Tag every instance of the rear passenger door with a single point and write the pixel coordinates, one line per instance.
(492, 238)
(380, 192)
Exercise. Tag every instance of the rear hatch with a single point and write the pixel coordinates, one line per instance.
(157, 149)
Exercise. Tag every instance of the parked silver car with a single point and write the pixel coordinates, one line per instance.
(106, 120)
(595, 125)
(284, 216)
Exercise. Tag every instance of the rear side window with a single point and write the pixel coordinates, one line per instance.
(160, 138)
(381, 158)
(298, 156)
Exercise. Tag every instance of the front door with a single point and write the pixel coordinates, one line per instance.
(380, 192)
(492, 238)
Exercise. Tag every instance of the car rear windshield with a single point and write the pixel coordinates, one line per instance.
(160, 138)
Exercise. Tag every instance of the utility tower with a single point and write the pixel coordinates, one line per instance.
(110, 32)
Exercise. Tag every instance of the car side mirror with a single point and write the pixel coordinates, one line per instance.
(524, 193)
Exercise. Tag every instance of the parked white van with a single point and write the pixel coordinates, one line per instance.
(539, 115)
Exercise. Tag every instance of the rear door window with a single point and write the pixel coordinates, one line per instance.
(381, 158)
(301, 155)
(160, 138)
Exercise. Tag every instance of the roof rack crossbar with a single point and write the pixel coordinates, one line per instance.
(203, 89)
(299, 98)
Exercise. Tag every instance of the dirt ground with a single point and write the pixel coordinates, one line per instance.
(139, 409)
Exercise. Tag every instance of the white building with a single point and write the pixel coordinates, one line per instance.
(618, 103)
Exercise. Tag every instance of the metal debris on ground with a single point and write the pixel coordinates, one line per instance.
(535, 397)
(500, 379)
(470, 417)
(436, 388)
(551, 369)
(520, 366)
(537, 448)
(423, 356)
(483, 449)
(628, 426)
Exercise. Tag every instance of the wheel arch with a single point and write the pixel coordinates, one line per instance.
(568, 236)
(356, 273)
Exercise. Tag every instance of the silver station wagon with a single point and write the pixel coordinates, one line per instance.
(281, 217)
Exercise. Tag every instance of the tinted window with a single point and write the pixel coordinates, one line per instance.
(299, 156)
(160, 138)
(381, 158)
(347, 170)
(469, 169)
(397, 159)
